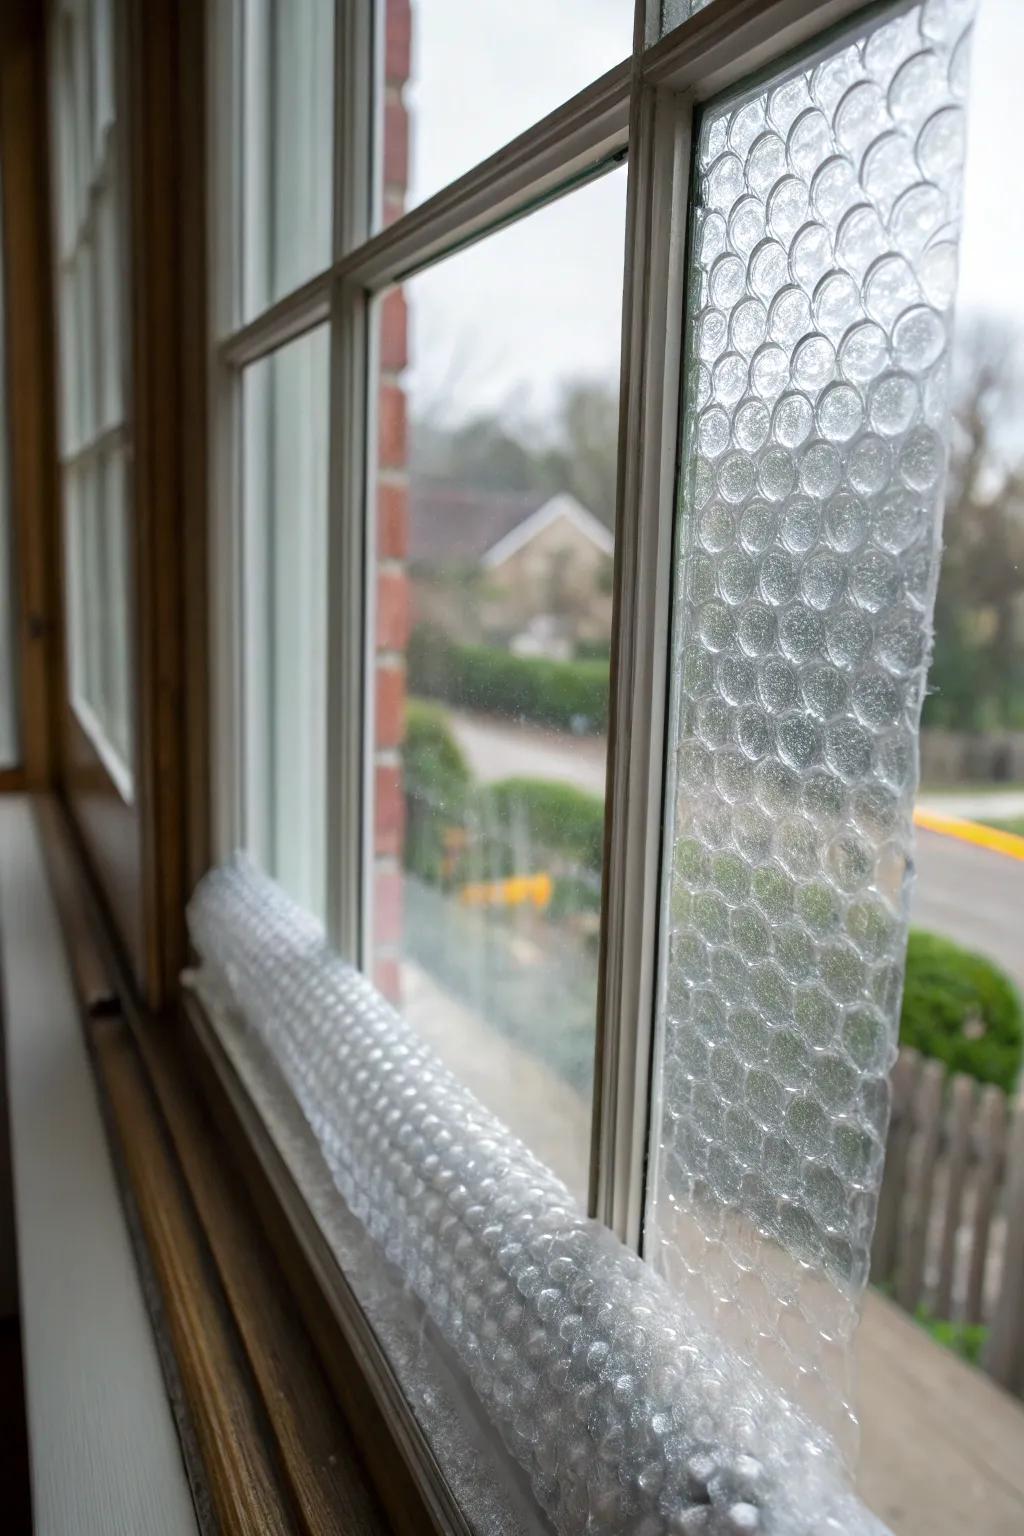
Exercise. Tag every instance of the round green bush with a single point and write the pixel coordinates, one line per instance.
(560, 817)
(962, 1009)
(568, 695)
(437, 783)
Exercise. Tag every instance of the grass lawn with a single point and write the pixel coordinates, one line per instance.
(949, 791)
(1011, 824)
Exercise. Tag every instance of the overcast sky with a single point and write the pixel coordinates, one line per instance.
(500, 325)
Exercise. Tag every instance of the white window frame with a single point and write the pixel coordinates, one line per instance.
(645, 105)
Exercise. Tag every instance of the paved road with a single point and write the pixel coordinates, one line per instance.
(984, 805)
(971, 895)
(498, 749)
(968, 893)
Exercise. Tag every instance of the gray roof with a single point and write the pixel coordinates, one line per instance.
(455, 525)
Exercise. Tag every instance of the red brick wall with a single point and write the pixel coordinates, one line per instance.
(392, 532)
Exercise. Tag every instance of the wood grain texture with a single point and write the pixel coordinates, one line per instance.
(1003, 1356)
(105, 1456)
(29, 348)
(961, 1118)
(885, 1246)
(110, 829)
(992, 1120)
(276, 1451)
(940, 1443)
(313, 1280)
(239, 1468)
(195, 362)
(152, 38)
(314, 1447)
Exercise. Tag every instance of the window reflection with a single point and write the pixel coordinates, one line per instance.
(494, 622)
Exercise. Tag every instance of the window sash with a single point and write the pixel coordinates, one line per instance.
(89, 202)
(646, 104)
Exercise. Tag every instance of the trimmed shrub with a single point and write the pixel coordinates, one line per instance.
(962, 1009)
(571, 695)
(965, 1339)
(560, 817)
(437, 784)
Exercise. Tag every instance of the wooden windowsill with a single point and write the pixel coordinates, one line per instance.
(272, 1445)
(105, 1457)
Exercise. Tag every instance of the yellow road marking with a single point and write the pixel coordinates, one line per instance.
(992, 838)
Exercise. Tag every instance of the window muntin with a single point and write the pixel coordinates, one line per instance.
(93, 434)
(286, 135)
(495, 805)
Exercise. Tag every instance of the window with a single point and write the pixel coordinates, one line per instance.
(499, 620)
(288, 127)
(93, 432)
(284, 406)
(576, 558)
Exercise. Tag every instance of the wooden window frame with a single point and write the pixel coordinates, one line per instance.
(146, 854)
(192, 802)
(645, 106)
(30, 425)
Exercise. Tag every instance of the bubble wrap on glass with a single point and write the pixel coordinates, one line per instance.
(626, 1412)
(821, 283)
(674, 12)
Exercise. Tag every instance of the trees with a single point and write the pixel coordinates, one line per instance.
(976, 681)
(575, 450)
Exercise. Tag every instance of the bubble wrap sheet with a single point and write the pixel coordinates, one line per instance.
(821, 285)
(627, 1413)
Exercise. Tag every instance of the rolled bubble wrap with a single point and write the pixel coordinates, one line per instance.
(628, 1415)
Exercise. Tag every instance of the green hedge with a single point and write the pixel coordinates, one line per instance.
(560, 817)
(962, 1009)
(571, 695)
(433, 763)
(437, 784)
(965, 1339)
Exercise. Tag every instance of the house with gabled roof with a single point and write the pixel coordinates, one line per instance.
(532, 572)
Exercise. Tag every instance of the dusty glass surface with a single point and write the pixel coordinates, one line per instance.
(490, 778)
(481, 75)
(92, 359)
(288, 131)
(822, 279)
(284, 473)
(673, 12)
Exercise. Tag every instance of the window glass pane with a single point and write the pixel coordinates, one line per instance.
(675, 11)
(288, 105)
(118, 586)
(493, 623)
(110, 282)
(92, 362)
(478, 78)
(285, 614)
(972, 724)
(815, 433)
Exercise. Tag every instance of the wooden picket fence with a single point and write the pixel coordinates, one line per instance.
(950, 1229)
